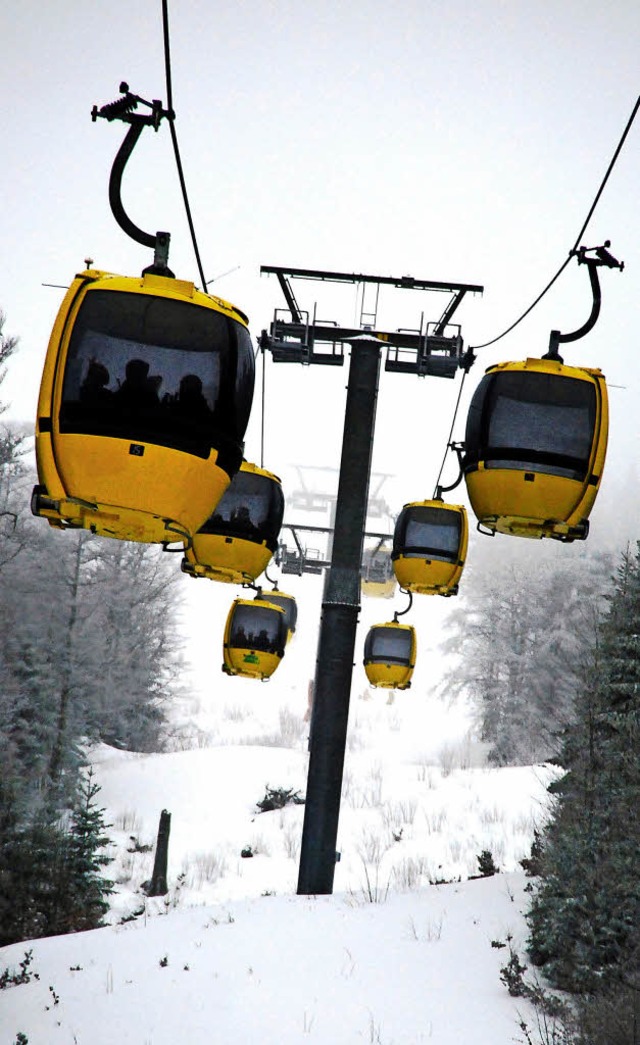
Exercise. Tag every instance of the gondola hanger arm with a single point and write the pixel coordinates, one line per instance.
(458, 449)
(584, 256)
(401, 613)
(123, 109)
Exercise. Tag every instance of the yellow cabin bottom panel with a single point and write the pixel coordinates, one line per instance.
(547, 505)
(389, 676)
(427, 577)
(253, 664)
(379, 589)
(153, 494)
(226, 559)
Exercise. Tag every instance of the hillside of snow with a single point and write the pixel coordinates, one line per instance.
(407, 949)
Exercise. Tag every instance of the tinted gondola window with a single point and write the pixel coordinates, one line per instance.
(154, 369)
(432, 533)
(245, 377)
(389, 645)
(543, 422)
(256, 628)
(287, 604)
(251, 508)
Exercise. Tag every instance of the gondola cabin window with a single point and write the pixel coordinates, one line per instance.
(388, 644)
(254, 627)
(286, 603)
(432, 533)
(150, 369)
(532, 421)
(251, 509)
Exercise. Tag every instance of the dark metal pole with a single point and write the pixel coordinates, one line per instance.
(340, 607)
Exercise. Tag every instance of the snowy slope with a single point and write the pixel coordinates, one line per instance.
(232, 955)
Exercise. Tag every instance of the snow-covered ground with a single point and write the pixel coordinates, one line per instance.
(233, 955)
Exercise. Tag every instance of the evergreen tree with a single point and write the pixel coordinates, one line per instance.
(50, 872)
(585, 915)
(88, 887)
(520, 630)
(88, 652)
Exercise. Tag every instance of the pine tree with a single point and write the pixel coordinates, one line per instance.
(51, 872)
(585, 915)
(89, 889)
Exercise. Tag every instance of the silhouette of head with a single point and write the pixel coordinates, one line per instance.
(137, 371)
(97, 375)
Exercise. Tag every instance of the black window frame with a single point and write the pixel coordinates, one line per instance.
(549, 386)
(151, 320)
(275, 642)
(246, 484)
(371, 656)
(415, 551)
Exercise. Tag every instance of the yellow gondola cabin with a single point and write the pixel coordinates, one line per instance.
(535, 447)
(430, 547)
(255, 637)
(390, 655)
(378, 581)
(238, 540)
(144, 401)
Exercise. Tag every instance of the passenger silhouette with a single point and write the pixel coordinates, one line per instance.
(239, 638)
(264, 641)
(93, 390)
(191, 400)
(138, 389)
(241, 520)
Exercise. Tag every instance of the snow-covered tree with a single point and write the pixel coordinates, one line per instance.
(585, 915)
(519, 635)
(88, 645)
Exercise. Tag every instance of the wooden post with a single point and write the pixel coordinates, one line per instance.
(158, 884)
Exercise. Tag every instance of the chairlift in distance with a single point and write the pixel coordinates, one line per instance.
(430, 546)
(536, 437)
(239, 538)
(255, 638)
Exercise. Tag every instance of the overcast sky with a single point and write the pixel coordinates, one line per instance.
(459, 142)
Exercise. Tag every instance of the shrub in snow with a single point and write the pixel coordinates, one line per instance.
(12, 978)
(486, 864)
(277, 798)
(512, 975)
(532, 864)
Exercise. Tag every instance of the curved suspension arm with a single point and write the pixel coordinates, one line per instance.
(121, 109)
(458, 448)
(271, 579)
(115, 186)
(401, 613)
(603, 257)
